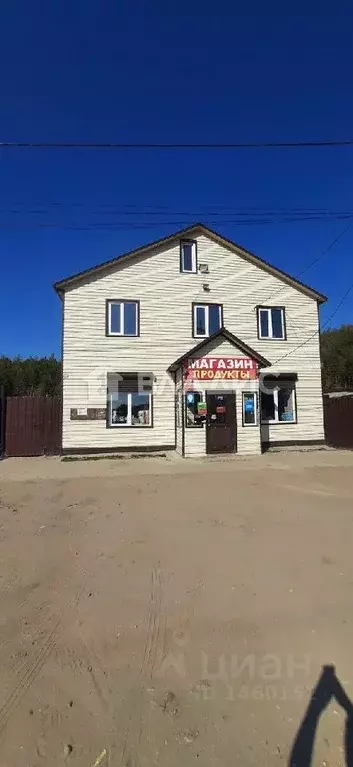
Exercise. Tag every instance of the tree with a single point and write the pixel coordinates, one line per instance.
(41, 376)
(337, 358)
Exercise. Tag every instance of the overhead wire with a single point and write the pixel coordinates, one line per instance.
(174, 145)
(55, 214)
(39, 223)
(317, 332)
(291, 215)
(315, 261)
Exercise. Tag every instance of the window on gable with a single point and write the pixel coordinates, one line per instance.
(129, 399)
(188, 256)
(271, 322)
(122, 318)
(207, 319)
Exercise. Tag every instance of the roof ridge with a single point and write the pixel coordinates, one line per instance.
(61, 285)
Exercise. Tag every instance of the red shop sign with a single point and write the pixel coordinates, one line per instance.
(220, 368)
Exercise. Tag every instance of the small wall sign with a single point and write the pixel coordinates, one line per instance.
(88, 414)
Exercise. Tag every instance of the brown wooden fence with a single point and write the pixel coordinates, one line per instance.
(338, 416)
(2, 419)
(33, 426)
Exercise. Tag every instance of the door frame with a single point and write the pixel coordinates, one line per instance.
(235, 446)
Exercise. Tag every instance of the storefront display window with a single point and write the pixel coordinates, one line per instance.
(278, 405)
(249, 409)
(129, 399)
(195, 408)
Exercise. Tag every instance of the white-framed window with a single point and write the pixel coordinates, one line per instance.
(278, 403)
(207, 319)
(122, 318)
(249, 404)
(188, 256)
(271, 322)
(129, 399)
(194, 412)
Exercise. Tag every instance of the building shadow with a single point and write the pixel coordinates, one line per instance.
(327, 687)
(265, 437)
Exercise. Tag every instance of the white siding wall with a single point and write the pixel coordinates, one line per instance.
(219, 348)
(166, 333)
(195, 442)
(248, 437)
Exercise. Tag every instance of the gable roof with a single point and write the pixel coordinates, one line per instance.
(189, 232)
(224, 333)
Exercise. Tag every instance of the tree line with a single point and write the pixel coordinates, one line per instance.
(35, 375)
(337, 358)
(42, 375)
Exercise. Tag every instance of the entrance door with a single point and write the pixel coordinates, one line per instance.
(221, 423)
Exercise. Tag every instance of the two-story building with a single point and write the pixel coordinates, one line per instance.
(189, 343)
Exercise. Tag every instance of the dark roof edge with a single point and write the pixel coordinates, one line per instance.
(61, 285)
(232, 339)
(275, 270)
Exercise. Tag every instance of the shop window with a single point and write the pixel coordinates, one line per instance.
(188, 256)
(249, 409)
(122, 318)
(207, 319)
(129, 399)
(271, 322)
(278, 403)
(195, 408)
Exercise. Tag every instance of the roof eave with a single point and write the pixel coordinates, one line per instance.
(69, 281)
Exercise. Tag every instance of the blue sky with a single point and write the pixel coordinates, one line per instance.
(167, 72)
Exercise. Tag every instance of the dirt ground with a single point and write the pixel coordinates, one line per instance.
(170, 612)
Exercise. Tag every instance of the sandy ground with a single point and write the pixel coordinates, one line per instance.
(170, 612)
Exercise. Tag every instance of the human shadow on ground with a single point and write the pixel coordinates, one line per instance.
(328, 687)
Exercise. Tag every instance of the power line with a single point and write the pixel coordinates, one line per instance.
(317, 332)
(303, 214)
(152, 224)
(209, 209)
(159, 215)
(316, 260)
(327, 250)
(126, 145)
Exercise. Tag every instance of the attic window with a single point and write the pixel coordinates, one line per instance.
(188, 256)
